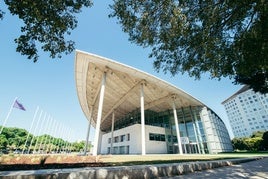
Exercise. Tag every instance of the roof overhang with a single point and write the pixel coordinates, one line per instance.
(122, 90)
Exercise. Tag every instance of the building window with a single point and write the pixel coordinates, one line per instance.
(127, 149)
(122, 138)
(157, 137)
(116, 150)
(151, 136)
(116, 139)
(163, 138)
(122, 149)
(109, 140)
(128, 137)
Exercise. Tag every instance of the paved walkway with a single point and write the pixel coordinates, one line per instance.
(257, 169)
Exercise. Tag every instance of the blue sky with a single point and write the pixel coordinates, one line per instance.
(50, 83)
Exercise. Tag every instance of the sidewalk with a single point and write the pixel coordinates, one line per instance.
(257, 169)
(144, 171)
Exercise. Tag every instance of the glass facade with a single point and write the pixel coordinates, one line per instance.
(192, 133)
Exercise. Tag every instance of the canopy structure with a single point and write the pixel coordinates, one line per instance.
(122, 89)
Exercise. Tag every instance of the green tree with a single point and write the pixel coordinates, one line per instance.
(239, 144)
(265, 140)
(46, 24)
(253, 144)
(78, 146)
(224, 38)
(3, 142)
(13, 138)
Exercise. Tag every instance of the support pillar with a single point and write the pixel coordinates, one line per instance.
(195, 132)
(177, 126)
(142, 122)
(199, 133)
(112, 135)
(88, 131)
(97, 132)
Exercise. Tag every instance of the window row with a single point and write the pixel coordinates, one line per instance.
(121, 138)
(157, 137)
(119, 150)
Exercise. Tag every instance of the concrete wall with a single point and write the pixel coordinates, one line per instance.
(152, 147)
(155, 147)
(133, 143)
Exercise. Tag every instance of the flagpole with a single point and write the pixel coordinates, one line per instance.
(37, 108)
(8, 114)
(39, 132)
(48, 134)
(34, 131)
(52, 138)
(43, 139)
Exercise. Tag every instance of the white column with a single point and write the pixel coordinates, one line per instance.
(97, 132)
(199, 134)
(194, 126)
(88, 131)
(197, 142)
(177, 127)
(142, 122)
(112, 135)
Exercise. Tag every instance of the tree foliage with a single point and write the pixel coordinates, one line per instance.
(222, 37)
(239, 144)
(46, 24)
(256, 142)
(265, 140)
(79, 146)
(13, 138)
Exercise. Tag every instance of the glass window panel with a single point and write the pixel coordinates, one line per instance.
(163, 138)
(151, 136)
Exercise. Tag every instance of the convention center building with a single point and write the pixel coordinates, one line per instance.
(134, 112)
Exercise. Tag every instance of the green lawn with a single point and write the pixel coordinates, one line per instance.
(171, 158)
(123, 160)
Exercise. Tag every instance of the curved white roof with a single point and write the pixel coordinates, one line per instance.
(122, 91)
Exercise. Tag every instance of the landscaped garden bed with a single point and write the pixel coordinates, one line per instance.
(34, 162)
(59, 161)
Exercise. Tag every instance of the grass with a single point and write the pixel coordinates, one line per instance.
(121, 160)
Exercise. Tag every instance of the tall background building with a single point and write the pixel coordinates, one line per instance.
(247, 112)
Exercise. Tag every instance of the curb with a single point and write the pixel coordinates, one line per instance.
(137, 171)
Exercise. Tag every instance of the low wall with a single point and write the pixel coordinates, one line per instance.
(138, 171)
